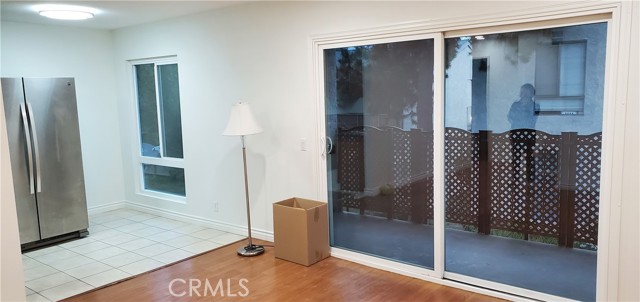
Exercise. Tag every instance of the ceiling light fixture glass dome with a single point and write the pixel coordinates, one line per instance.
(65, 12)
(66, 15)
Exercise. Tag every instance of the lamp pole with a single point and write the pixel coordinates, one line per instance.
(249, 250)
(246, 189)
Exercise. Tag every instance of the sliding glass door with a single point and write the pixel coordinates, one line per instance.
(379, 115)
(523, 118)
(475, 158)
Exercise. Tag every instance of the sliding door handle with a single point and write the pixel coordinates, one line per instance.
(35, 147)
(469, 119)
(27, 139)
(326, 146)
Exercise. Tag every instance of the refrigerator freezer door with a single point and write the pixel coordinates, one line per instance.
(61, 198)
(13, 98)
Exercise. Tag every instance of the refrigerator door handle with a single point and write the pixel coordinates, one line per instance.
(27, 138)
(35, 147)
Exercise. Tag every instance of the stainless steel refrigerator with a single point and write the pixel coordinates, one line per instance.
(46, 159)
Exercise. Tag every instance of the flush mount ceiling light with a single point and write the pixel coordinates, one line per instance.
(65, 12)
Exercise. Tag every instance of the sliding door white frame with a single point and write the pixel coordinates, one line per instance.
(438, 132)
(613, 130)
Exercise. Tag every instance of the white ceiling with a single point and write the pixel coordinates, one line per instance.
(110, 14)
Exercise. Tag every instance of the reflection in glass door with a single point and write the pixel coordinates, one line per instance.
(379, 115)
(522, 157)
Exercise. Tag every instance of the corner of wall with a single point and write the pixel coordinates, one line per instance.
(11, 273)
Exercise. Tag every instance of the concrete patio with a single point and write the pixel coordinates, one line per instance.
(546, 268)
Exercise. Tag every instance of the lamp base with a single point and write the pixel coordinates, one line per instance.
(251, 250)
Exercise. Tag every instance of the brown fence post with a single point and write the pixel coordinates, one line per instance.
(484, 184)
(568, 149)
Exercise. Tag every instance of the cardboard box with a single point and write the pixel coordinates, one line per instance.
(300, 230)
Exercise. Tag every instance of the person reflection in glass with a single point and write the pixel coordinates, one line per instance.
(522, 115)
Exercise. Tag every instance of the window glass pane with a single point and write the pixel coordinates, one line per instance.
(170, 110)
(379, 106)
(522, 184)
(547, 71)
(147, 109)
(572, 66)
(164, 179)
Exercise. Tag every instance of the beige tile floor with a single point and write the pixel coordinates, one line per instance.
(121, 243)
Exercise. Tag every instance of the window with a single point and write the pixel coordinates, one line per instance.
(160, 126)
(560, 76)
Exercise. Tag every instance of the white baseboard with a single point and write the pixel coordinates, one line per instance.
(215, 224)
(106, 207)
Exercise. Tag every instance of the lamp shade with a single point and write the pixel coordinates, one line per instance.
(241, 121)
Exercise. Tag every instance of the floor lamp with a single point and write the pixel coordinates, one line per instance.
(241, 123)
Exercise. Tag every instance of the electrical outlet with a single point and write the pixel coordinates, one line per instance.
(216, 207)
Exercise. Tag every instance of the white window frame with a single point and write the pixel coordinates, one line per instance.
(613, 130)
(139, 160)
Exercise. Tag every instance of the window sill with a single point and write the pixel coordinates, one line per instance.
(162, 196)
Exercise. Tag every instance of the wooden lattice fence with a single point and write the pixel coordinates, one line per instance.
(524, 181)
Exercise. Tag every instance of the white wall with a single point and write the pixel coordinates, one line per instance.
(259, 53)
(458, 91)
(30, 50)
(11, 274)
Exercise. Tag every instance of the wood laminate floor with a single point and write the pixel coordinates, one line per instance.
(221, 275)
